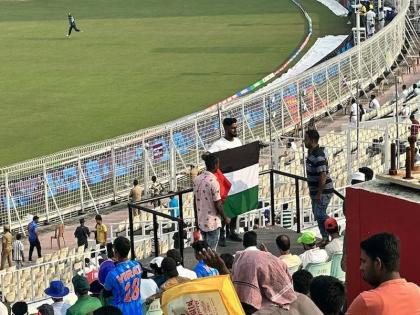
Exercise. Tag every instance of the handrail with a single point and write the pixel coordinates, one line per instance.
(337, 193)
(155, 213)
(156, 198)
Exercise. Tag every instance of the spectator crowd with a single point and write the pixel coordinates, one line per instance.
(264, 283)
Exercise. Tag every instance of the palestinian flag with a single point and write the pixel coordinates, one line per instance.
(240, 167)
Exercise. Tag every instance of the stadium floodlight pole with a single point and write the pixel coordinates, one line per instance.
(359, 75)
(359, 51)
(397, 140)
(269, 133)
(357, 123)
(300, 100)
(219, 113)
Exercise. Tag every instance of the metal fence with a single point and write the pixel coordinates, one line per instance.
(88, 177)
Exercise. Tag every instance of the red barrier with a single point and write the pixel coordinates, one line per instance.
(369, 213)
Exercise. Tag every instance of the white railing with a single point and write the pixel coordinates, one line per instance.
(87, 177)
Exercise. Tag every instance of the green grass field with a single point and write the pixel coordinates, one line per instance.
(138, 63)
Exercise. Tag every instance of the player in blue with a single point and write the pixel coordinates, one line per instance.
(124, 280)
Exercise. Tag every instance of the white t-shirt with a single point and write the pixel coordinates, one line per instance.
(3, 309)
(353, 109)
(60, 308)
(370, 16)
(315, 255)
(186, 273)
(223, 144)
(148, 287)
(405, 112)
(335, 246)
(374, 104)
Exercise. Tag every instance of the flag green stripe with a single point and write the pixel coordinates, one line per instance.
(241, 202)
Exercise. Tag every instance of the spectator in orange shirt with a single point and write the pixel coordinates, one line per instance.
(380, 265)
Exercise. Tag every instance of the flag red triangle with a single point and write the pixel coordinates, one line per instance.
(224, 183)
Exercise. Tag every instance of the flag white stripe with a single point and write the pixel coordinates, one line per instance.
(243, 179)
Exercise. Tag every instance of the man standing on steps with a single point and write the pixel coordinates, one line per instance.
(33, 238)
(210, 212)
(82, 234)
(229, 141)
(319, 181)
(72, 24)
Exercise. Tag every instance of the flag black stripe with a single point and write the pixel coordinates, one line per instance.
(238, 158)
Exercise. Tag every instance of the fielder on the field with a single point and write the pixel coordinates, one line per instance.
(72, 25)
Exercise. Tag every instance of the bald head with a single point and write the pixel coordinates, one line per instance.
(283, 243)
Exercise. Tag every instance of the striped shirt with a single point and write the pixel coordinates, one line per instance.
(17, 250)
(316, 163)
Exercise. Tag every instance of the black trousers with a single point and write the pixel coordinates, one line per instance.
(32, 245)
(228, 229)
(73, 27)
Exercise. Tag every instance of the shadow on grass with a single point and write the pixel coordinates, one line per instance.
(52, 39)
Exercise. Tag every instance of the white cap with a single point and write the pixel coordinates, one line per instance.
(358, 176)
(157, 261)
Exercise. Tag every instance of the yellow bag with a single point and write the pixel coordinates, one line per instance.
(205, 296)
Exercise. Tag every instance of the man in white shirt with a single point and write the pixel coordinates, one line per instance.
(404, 93)
(405, 112)
(335, 246)
(229, 141)
(312, 254)
(283, 244)
(381, 18)
(353, 112)
(370, 21)
(182, 272)
(57, 291)
(374, 103)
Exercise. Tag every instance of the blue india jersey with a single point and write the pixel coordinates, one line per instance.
(174, 204)
(124, 282)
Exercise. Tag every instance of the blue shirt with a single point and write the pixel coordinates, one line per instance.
(202, 270)
(124, 282)
(174, 204)
(32, 227)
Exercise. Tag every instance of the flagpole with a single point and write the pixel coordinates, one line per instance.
(219, 112)
(300, 96)
(269, 134)
(397, 141)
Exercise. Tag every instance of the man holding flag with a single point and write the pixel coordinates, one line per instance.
(208, 200)
(229, 141)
